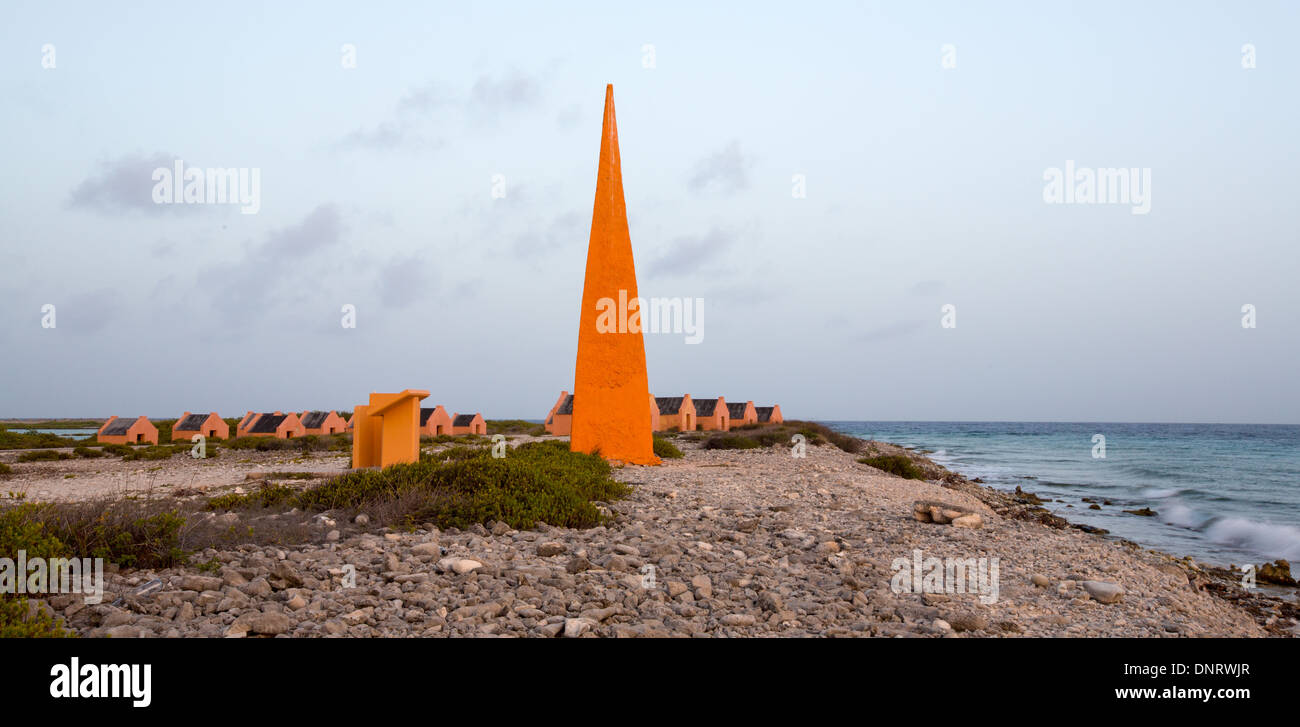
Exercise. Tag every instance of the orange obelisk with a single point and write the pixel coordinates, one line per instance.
(610, 385)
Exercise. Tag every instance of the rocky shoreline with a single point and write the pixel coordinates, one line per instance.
(718, 543)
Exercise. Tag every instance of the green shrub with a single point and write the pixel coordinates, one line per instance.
(538, 481)
(268, 495)
(117, 450)
(6, 469)
(309, 443)
(34, 440)
(43, 455)
(155, 452)
(731, 441)
(88, 452)
(895, 464)
(666, 449)
(515, 426)
(18, 620)
(130, 533)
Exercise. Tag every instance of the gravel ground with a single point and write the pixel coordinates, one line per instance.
(720, 543)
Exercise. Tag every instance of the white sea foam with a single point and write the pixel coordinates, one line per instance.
(1277, 541)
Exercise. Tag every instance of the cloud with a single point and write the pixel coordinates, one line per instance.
(727, 169)
(412, 123)
(514, 91)
(124, 184)
(564, 230)
(927, 287)
(276, 268)
(892, 330)
(402, 281)
(689, 253)
(88, 313)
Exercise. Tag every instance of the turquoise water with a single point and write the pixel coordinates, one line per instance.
(1224, 493)
(69, 433)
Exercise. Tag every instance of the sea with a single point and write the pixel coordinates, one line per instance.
(1222, 493)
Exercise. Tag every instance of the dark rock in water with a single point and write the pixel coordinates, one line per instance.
(1027, 498)
(1144, 512)
(1094, 506)
(1092, 529)
(1279, 572)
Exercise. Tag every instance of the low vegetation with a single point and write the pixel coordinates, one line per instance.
(309, 443)
(35, 440)
(460, 486)
(43, 455)
(666, 449)
(753, 436)
(515, 426)
(895, 464)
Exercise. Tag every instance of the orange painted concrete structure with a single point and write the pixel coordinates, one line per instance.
(559, 420)
(119, 431)
(676, 413)
(742, 414)
(274, 424)
(610, 382)
(387, 430)
(435, 421)
(211, 426)
(712, 415)
(468, 424)
(769, 414)
(323, 422)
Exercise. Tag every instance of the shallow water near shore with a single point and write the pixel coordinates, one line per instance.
(1222, 493)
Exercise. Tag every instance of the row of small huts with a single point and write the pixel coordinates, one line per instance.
(678, 412)
(434, 421)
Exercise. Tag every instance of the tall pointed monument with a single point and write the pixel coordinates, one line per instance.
(610, 386)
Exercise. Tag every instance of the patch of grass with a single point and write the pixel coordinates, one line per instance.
(666, 449)
(895, 464)
(130, 533)
(460, 486)
(43, 455)
(19, 619)
(268, 495)
(731, 441)
(309, 443)
(88, 452)
(155, 452)
(5, 469)
(515, 426)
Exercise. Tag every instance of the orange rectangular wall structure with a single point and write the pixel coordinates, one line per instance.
(676, 412)
(742, 414)
(322, 422)
(435, 421)
(610, 380)
(712, 414)
(769, 414)
(654, 413)
(387, 430)
(276, 424)
(559, 420)
(127, 431)
(210, 425)
(468, 424)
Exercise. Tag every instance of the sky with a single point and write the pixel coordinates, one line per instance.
(442, 185)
